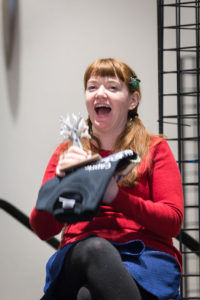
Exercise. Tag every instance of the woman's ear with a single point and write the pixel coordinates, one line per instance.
(134, 100)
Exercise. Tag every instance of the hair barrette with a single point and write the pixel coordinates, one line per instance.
(134, 81)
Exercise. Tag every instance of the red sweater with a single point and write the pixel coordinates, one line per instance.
(152, 211)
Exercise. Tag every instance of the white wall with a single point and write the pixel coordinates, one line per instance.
(55, 41)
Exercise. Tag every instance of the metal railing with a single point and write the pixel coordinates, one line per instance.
(23, 219)
(18, 215)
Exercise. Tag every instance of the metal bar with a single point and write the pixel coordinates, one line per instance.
(179, 112)
(183, 26)
(181, 4)
(190, 183)
(190, 275)
(190, 252)
(184, 139)
(160, 21)
(197, 15)
(191, 161)
(23, 219)
(187, 49)
(175, 123)
(189, 242)
(185, 116)
(186, 71)
(190, 298)
(191, 206)
(182, 94)
(190, 229)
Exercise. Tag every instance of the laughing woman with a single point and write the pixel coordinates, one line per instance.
(126, 251)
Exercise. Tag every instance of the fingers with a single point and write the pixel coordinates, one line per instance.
(73, 155)
(75, 152)
(59, 172)
(70, 157)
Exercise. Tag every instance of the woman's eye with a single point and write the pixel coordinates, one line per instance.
(113, 87)
(91, 87)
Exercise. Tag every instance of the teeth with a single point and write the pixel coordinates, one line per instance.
(101, 105)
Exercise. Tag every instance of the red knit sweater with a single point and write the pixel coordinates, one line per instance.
(152, 211)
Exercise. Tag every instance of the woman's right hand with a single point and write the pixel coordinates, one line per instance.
(70, 157)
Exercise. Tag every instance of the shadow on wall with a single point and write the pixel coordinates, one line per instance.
(11, 37)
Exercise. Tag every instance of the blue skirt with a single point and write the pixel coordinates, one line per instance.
(156, 272)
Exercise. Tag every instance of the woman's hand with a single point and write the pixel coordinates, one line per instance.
(76, 155)
(70, 157)
(111, 191)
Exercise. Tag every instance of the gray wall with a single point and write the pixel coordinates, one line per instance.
(55, 41)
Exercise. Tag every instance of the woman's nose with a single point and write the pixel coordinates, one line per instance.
(101, 91)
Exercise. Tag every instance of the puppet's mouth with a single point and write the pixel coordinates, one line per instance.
(102, 109)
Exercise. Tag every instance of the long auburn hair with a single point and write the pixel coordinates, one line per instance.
(134, 136)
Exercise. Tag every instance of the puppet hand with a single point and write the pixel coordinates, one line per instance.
(111, 191)
(70, 157)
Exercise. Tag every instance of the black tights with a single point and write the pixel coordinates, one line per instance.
(93, 270)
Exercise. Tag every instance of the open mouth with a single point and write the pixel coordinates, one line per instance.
(102, 109)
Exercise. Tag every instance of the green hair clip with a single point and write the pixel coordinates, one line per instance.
(134, 81)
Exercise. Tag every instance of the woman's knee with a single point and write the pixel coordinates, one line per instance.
(93, 249)
(84, 294)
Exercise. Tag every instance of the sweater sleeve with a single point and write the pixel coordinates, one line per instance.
(163, 212)
(42, 222)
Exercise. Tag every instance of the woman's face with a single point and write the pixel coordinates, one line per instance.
(108, 102)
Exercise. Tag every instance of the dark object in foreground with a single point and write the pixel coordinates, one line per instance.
(77, 196)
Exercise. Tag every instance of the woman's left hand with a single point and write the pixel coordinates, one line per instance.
(111, 191)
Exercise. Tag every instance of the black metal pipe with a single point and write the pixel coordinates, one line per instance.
(23, 219)
(160, 21)
(197, 13)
